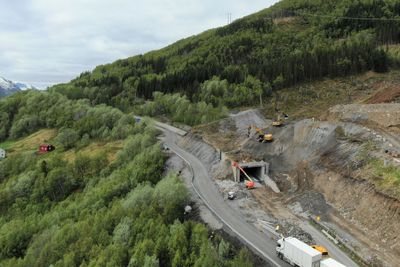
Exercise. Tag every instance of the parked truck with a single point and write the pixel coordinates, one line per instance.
(331, 263)
(297, 253)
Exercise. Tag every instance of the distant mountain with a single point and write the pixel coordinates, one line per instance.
(8, 87)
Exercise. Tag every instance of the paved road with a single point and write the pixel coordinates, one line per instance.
(260, 242)
(333, 250)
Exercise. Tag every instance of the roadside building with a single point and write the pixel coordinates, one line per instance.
(2, 154)
(46, 148)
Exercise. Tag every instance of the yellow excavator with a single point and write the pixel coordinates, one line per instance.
(262, 136)
(278, 122)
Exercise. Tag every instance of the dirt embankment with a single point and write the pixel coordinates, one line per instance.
(385, 93)
(365, 213)
(320, 167)
(312, 153)
(384, 115)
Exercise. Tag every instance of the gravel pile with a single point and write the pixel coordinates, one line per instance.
(290, 229)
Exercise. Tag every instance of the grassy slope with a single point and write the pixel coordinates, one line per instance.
(313, 99)
(95, 148)
(385, 178)
(31, 143)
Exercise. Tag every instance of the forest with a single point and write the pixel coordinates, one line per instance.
(252, 58)
(92, 211)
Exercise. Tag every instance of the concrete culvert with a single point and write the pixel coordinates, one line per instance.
(254, 172)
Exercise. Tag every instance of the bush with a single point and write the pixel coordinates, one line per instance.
(68, 138)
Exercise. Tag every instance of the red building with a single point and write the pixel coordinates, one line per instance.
(46, 148)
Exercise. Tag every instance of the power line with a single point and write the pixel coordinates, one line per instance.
(349, 18)
(229, 18)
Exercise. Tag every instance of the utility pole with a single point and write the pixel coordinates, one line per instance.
(229, 15)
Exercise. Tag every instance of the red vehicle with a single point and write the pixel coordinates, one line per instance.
(46, 148)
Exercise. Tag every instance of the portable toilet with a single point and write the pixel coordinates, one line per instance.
(2, 154)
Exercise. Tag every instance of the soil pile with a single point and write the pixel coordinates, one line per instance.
(386, 115)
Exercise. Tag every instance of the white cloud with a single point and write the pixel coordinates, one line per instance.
(51, 41)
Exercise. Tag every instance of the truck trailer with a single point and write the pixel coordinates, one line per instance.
(331, 263)
(297, 253)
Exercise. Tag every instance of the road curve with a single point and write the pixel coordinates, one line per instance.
(262, 243)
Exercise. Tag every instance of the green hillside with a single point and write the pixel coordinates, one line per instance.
(291, 42)
(102, 197)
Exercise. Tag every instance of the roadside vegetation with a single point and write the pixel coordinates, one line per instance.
(380, 172)
(385, 176)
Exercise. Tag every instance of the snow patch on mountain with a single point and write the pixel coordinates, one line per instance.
(8, 87)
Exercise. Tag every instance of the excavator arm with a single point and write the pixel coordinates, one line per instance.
(249, 182)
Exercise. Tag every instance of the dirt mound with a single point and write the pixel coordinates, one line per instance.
(288, 228)
(229, 133)
(386, 115)
(387, 95)
(303, 140)
(249, 117)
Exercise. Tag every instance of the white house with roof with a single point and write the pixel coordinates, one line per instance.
(2, 153)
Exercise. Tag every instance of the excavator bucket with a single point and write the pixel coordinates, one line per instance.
(249, 184)
(268, 138)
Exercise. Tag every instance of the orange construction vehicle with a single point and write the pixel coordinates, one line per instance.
(321, 249)
(249, 182)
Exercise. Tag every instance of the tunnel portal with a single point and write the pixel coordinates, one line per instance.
(257, 170)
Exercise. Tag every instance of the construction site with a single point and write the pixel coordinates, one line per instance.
(335, 175)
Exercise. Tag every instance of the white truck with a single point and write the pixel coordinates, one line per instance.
(331, 263)
(297, 253)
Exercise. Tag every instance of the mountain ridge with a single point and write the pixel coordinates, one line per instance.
(8, 87)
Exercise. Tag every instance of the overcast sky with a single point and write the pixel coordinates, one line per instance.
(44, 42)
